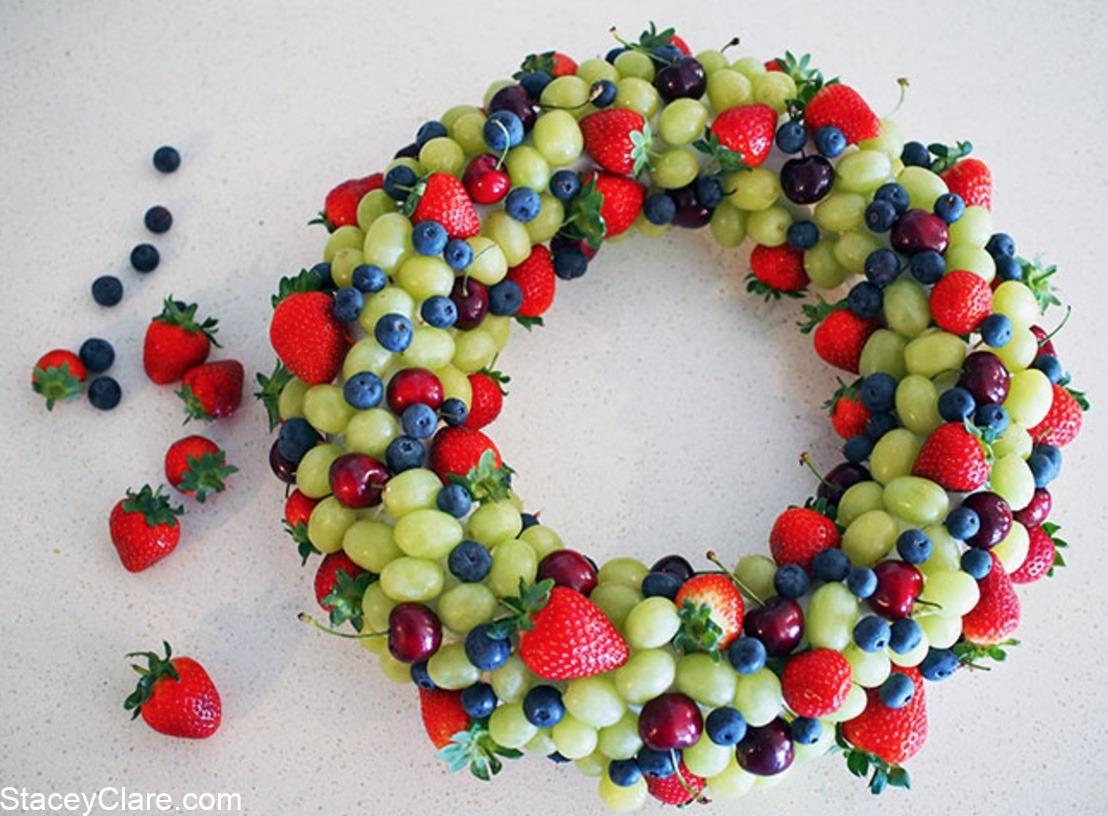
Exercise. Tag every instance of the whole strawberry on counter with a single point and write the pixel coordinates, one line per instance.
(58, 375)
(176, 341)
(196, 466)
(175, 696)
(144, 528)
(213, 390)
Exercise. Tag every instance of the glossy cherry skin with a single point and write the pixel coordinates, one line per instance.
(1037, 510)
(561, 242)
(806, 180)
(995, 515)
(515, 99)
(766, 750)
(414, 632)
(569, 568)
(472, 299)
(412, 386)
(779, 624)
(282, 468)
(898, 586)
(485, 181)
(919, 230)
(985, 377)
(674, 565)
(671, 721)
(838, 479)
(684, 77)
(1046, 345)
(357, 480)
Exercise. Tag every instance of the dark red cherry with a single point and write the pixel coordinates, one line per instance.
(806, 180)
(515, 99)
(357, 480)
(472, 299)
(284, 469)
(995, 515)
(569, 568)
(684, 77)
(918, 230)
(485, 181)
(412, 386)
(674, 565)
(670, 722)
(414, 632)
(838, 479)
(766, 750)
(898, 586)
(1037, 510)
(778, 623)
(984, 376)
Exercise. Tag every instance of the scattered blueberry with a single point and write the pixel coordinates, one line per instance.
(1007, 268)
(950, 207)
(543, 706)
(862, 582)
(1050, 366)
(881, 267)
(503, 130)
(469, 562)
(624, 772)
(484, 651)
(107, 290)
(363, 390)
(404, 453)
(791, 137)
(603, 93)
(791, 581)
(453, 411)
(661, 584)
(455, 500)
(802, 235)
(399, 181)
(534, 83)
(658, 764)
(167, 159)
(956, 404)
(927, 267)
(1001, 243)
(439, 311)
(570, 263)
(830, 141)
(394, 332)
(880, 424)
(97, 354)
(805, 730)
(322, 270)
(895, 194)
(939, 664)
(906, 635)
(565, 185)
(296, 438)
(747, 655)
(977, 563)
(458, 254)
(659, 209)
(963, 523)
(871, 633)
(144, 258)
(915, 154)
(913, 546)
(428, 131)
(523, 204)
(478, 700)
(831, 564)
(857, 448)
(897, 690)
(992, 417)
(709, 191)
(104, 393)
(420, 676)
(429, 238)
(996, 330)
(880, 215)
(158, 219)
(877, 391)
(613, 52)
(725, 726)
(419, 420)
(505, 298)
(347, 304)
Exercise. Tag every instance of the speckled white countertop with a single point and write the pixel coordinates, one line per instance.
(660, 409)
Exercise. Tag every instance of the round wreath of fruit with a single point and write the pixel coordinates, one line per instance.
(668, 680)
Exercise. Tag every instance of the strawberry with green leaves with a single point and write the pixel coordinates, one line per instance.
(176, 340)
(971, 179)
(340, 207)
(618, 140)
(849, 417)
(747, 130)
(882, 738)
(842, 106)
(197, 466)
(213, 390)
(443, 715)
(441, 197)
(607, 206)
(839, 334)
(960, 301)
(799, 534)
(339, 587)
(298, 510)
(1063, 420)
(953, 458)
(457, 451)
(308, 338)
(711, 611)
(680, 788)
(815, 683)
(537, 283)
(175, 696)
(269, 392)
(144, 528)
(58, 375)
(776, 271)
(487, 387)
(462, 742)
(1042, 554)
(997, 613)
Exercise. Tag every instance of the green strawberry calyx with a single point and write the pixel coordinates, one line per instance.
(650, 39)
(642, 154)
(544, 61)
(299, 534)
(475, 749)
(971, 654)
(816, 313)
(860, 762)
(585, 220)
(55, 383)
(698, 632)
(767, 292)
(1050, 528)
(269, 391)
(725, 160)
(947, 156)
(499, 377)
(486, 482)
(1037, 278)
(847, 391)
(321, 218)
(306, 280)
(345, 598)
(809, 81)
(175, 313)
(156, 668)
(194, 408)
(531, 598)
(154, 506)
(528, 322)
(205, 474)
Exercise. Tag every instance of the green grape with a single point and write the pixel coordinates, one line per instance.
(728, 89)
(313, 474)
(885, 352)
(290, 402)
(412, 579)
(852, 248)
(376, 606)
(705, 758)
(1019, 352)
(769, 226)
(512, 238)
(916, 500)
(1013, 548)
(942, 632)
(473, 350)
(495, 522)
(511, 562)
(430, 348)
(593, 765)
(893, 455)
(469, 132)
(423, 276)
(542, 539)
(574, 738)
(708, 680)
(674, 168)
(343, 265)
(365, 355)
(490, 263)
(934, 352)
(1015, 439)
(973, 228)
(558, 137)
(652, 623)
(635, 64)
(906, 307)
(913, 657)
(712, 60)
(645, 675)
(1014, 299)
(455, 384)
(449, 668)
(542, 744)
(952, 593)
(822, 266)
(348, 237)
(373, 204)
(393, 669)
(565, 92)
(427, 533)
(863, 171)
(824, 745)
(832, 612)
(648, 230)
(972, 259)
(758, 697)
(853, 705)
(1029, 397)
(732, 782)
(499, 328)
(369, 544)
(328, 523)
(946, 551)
(508, 726)
(388, 241)
(527, 168)
(442, 155)
(327, 409)
(615, 601)
(512, 680)
(869, 538)
(456, 112)
(840, 211)
(596, 69)
(546, 224)
(858, 499)
(390, 300)
(923, 186)
(774, 88)
(750, 67)
(615, 798)
(917, 403)
(622, 740)
(370, 432)
(626, 571)
(727, 225)
(637, 94)
(464, 606)
(867, 669)
(404, 161)
(753, 189)
(1011, 479)
(682, 121)
(889, 141)
(594, 701)
(756, 572)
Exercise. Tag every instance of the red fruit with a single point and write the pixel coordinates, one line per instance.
(953, 458)
(898, 586)
(1062, 422)
(608, 139)
(457, 451)
(340, 207)
(568, 568)
(196, 466)
(571, 637)
(997, 614)
(213, 390)
(778, 623)
(308, 338)
(357, 480)
(1042, 557)
(443, 715)
(144, 528)
(848, 416)
(670, 722)
(536, 280)
(488, 398)
(777, 269)
(326, 576)
(442, 198)
(893, 734)
(815, 683)
(839, 338)
(799, 534)
(175, 696)
(411, 386)
(563, 65)
(339, 587)
(748, 130)
(298, 509)
(960, 301)
(58, 375)
(680, 788)
(724, 603)
(1046, 343)
(415, 632)
(842, 106)
(485, 181)
(621, 202)
(1037, 510)
(681, 45)
(175, 342)
(971, 179)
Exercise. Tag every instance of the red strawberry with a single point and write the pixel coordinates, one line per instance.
(536, 280)
(816, 682)
(298, 509)
(682, 46)
(196, 466)
(339, 587)
(971, 179)
(892, 734)
(1062, 422)
(442, 198)
(213, 390)
(839, 334)
(144, 528)
(1042, 555)
(563, 65)
(340, 207)
(175, 696)
(570, 636)
(456, 451)
(608, 139)
(960, 301)
(443, 715)
(621, 202)
(308, 338)
(776, 270)
(175, 342)
(58, 375)
(681, 788)
(997, 614)
(953, 458)
(724, 603)
(848, 416)
(799, 533)
(747, 129)
(842, 106)
(488, 398)
(485, 180)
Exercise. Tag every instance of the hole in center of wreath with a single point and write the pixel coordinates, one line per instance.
(662, 408)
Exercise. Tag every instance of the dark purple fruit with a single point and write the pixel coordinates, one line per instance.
(778, 623)
(674, 565)
(984, 376)
(683, 78)
(919, 230)
(766, 750)
(472, 299)
(995, 515)
(691, 213)
(515, 99)
(839, 478)
(806, 180)
(284, 469)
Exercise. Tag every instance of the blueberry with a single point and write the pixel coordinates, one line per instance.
(624, 772)
(658, 764)
(399, 181)
(455, 500)
(895, 194)
(503, 130)
(913, 546)
(915, 154)
(167, 159)
(709, 191)
(528, 520)
(791, 137)
(897, 690)
(505, 298)
(107, 290)
(659, 209)
(1001, 243)
(949, 207)
(543, 706)
(322, 270)
(158, 219)
(991, 416)
(1007, 268)
(956, 404)
(453, 411)
(880, 215)
(996, 330)
(420, 676)
(603, 93)
(976, 563)
(831, 564)
(558, 759)
(419, 421)
(791, 581)
(478, 700)
(660, 584)
(363, 390)
(830, 141)
(1049, 365)
(871, 633)
(144, 258)
(805, 730)
(668, 53)
(484, 651)
(1051, 452)
(534, 83)
(104, 393)
(570, 263)
(725, 726)
(877, 392)
(939, 664)
(862, 582)
(296, 438)
(880, 424)
(408, 151)
(927, 267)
(747, 655)
(428, 131)
(404, 453)
(458, 254)
(963, 523)
(1042, 469)
(469, 562)
(523, 204)
(394, 332)
(565, 185)
(347, 304)
(97, 354)
(858, 448)
(429, 238)
(802, 235)
(613, 52)
(439, 311)
(881, 267)
(906, 635)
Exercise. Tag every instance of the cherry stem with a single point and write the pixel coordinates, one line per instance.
(729, 44)
(711, 556)
(1058, 328)
(806, 460)
(681, 777)
(304, 617)
(904, 85)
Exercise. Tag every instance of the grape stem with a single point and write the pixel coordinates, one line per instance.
(711, 556)
(304, 617)
(904, 85)
(806, 460)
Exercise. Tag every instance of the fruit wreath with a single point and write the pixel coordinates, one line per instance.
(667, 680)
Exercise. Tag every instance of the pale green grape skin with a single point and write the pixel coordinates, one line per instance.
(712, 60)
(422, 276)
(509, 727)
(822, 267)
(953, 593)
(756, 574)
(637, 94)
(442, 155)
(682, 121)
(527, 168)
(371, 431)
(1013, 548)
(510, 235)
(635, 64)
(973, 228)
(758, 697)
(393, 669)
(774, 88)
(469, 132)
(1016, 440)
(728, 226)
(542, 539)
(674, 168)
(1019, 352)
(427, 533)
(373, 204)
(840, 212)
(728, 89)
(542, 744)
(490, 263)
(343, 265)
(858, 499)
(1014, 299)
(404, 161)
(616, 601)
(499, 327)
(869, 538)
(347, 237)
(889, 141)
(473, 350)
(388, 241)
(732, 782)
(652, 623)
(365, 355)
(328, 524)
(941, 631)
(327, 409)
(450, 669)
(923, 186)
(893, 455)
(645, 675)
(884, 352)
(770, 226)
(558, 137)
(566, 92)
(369, 544)
(414, 489)
(1029, 397)
(754, 189)
(916, 500)
(750, 67)
(852, 248)
(906, 307)
(511, 562)
(946, 551)
(622, 740)
(464, 606)
(863, 171)
(455, 384)
(705, 758)
(1011, 479)
(820, 748)
(917, 404)
(832, 612)
(546, 224)
(412, 579)
(313, 473)
(592, 765)
(913, 657)
(290, 403)
(934, 352)
(867, 669)
(430, 348)
(626, 571)
(853, 705)
(376, 606)
(512, 680)
(971, 259)
(390, 300)
(596, 69)
(573, 738)
(594, 701)
(622, 800)
(708, 681)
